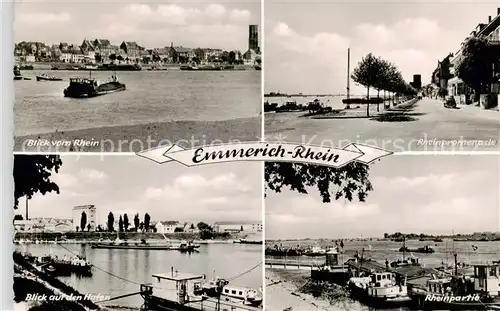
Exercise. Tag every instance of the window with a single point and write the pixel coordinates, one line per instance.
(240, 293)
(226, 291)
(233, 292)
(493, 271)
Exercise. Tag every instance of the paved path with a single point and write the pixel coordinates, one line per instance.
(427, 124)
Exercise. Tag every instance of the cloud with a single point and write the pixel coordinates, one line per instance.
(41, 17)
(93, 175)
(239, 16)
(150, 25)
(413, 44)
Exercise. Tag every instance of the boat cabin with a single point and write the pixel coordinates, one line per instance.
(80, 81)
(487, 279)
(439, 286)
(383, 278)
(332, 258)
(177, 286)
(240, 293)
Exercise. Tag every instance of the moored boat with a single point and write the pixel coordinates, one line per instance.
(185, 291)
(44, 77)
(425, 250)
(380, 290)
(479, 291)
(188, 67)
(245, 241)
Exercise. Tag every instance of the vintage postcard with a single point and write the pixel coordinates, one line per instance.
(389, 236)
(129, 76)
(402, 76)
(92, 237)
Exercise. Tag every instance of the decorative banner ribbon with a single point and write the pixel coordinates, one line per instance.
(262, 151)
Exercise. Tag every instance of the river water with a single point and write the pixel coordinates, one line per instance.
(137, 266)
(278, 297)
(151, 96)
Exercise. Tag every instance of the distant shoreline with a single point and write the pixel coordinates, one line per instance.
(93, 237)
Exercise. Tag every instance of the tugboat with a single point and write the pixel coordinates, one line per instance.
(88, 87)
(45, 77)
(380, 290)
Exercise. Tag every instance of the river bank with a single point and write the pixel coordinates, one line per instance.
(135, 138)
(90, 237)
(293, 290)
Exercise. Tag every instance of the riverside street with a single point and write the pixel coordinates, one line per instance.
(425, 126)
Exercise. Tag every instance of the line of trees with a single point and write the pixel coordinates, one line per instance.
(124, 224)
(381, 75)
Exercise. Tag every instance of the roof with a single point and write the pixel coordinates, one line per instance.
(244, 222)
(180, 49)
(169, 222)
(131, 45)
(84, 207)
(178, 276)
(102, 42)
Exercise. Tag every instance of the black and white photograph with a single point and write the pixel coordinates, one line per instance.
(124, 233)
(402, 76)
(388, 236)
(125, 76)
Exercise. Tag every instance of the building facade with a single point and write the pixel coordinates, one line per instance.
(169, 226)
(253, 38)
(238, 226)
(90, 212)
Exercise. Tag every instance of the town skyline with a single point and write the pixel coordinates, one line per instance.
(153, 25)
(220, 196)
(412, 35)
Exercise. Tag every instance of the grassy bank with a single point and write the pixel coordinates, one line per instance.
(96, 236)
(135, 138)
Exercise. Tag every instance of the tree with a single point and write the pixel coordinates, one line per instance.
(77, 228)
(120, 224)
(125, 222)
(32, 174)
(83, 220)
(98, 58)
(346, 182)
(147, 219)
(88, 227)
(476, 68)
(141, 226)
(203, 226)
(111, 222)
(368, 73)
(191, 227)
(119, 58)
(241, 229)
(136, 221)
(112, 57)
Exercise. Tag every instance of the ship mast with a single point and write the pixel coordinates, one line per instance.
(348, 88)
(348, 71)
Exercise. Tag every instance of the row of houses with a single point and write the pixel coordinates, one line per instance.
(48, 224)
(445, 75)
(102, 51)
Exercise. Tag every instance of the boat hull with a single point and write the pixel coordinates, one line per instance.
(39, 78)
(420, 302)
(103, 89)
(362, 295)
(143, 247)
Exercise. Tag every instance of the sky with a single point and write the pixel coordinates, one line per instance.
(305, 44)
(131, 184)
(151, 24)
(412, 194)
